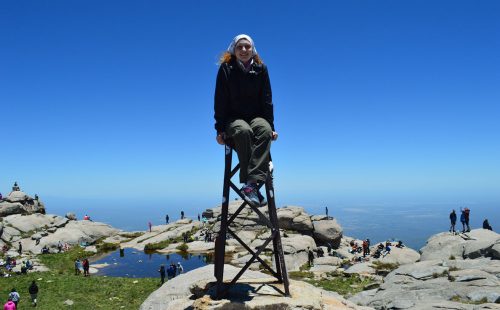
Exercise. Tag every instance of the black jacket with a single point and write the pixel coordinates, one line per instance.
(242, 95)
(33, 289)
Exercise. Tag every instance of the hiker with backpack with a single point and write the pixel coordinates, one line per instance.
(244, 113)
(14, 296)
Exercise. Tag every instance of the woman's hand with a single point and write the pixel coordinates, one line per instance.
(220, 138)
(274, 136)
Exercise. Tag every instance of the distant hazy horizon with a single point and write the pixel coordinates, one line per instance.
(412, 223)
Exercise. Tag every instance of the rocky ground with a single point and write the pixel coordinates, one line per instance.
(450, 272)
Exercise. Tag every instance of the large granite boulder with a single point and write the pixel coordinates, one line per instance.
(327, 231)
(438, 284)
(477, 243)
(17, 196)
(35, 221)
(400, 256)
(73, 233)
(193, 290)
(18, 202)
(294, 218)
(8, 208)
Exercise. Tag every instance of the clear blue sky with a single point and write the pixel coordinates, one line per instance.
(375, 101)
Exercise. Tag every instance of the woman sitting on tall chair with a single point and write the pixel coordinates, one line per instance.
(244, 113)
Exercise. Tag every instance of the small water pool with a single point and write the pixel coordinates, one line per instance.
(137, 264)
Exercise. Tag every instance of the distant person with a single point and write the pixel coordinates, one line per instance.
(167, 218)
(400, 244)
(310, 257)
(86, 267)
(462, 220)
(14, 296)
(78, 266)
(182, 215)
(150, 226)
(366, 249)
(9, 305)
(180, 269)
(59, 247)
(20, 248)
(162, 273)
(198, 217)
(33, 290)
(326, 211)
(486, 225)
(453, 221)
(467, 214)
(1, 197)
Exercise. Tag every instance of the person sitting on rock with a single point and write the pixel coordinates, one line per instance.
(486, 225)
(400, 244)
(29, 264)
(387, 248)
(45, 250)
(320, 251)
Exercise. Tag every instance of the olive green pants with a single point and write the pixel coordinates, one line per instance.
(252, 142)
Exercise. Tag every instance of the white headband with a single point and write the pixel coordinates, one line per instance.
(231, 47)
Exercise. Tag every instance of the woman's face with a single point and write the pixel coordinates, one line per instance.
(243, 50)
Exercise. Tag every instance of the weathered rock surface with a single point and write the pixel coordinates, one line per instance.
(18, 202)
(193, 290)
(327, 231)
(476, 243)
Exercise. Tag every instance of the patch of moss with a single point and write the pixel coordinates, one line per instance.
(182, 247)
(345, 284)
(157, 245)
(459, 299)
(377, 265)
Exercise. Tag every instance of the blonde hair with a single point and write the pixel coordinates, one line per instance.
(227, 57)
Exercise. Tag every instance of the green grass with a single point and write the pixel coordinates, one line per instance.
(345, 284)
(94, 292)
(156, 245)
(378, 265)
(467, 301)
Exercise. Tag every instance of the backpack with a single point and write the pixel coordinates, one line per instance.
(14, 296)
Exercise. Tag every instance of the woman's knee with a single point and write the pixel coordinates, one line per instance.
(239, 128)
(261, 128)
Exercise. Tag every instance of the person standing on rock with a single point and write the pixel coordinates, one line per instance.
(167, 218)
(182, 215)
(462, 220)
(20, 248)
(150, 226)
(453, 221)
(310, 256)
(244, 113)
(33, 290)
(467, 213)
(162, 273)
(326, 211)
(198, 217)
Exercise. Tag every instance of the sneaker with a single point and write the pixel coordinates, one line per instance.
(250, 195)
